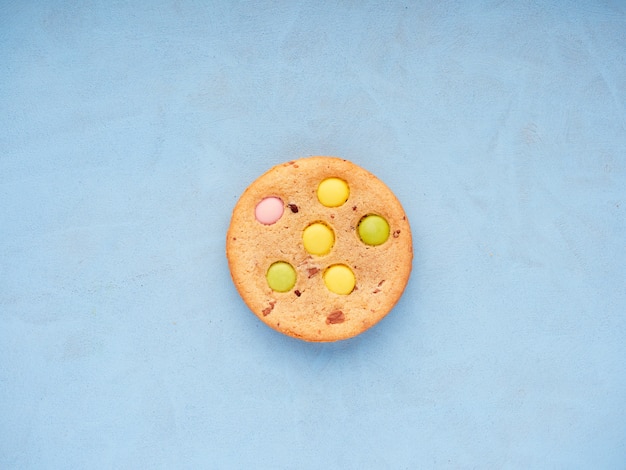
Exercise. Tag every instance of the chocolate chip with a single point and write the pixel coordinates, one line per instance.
(312, 272)
(293, 208)
(335, 317)
(396, 233)
(353, 208)
(268, 310)
(297, 292)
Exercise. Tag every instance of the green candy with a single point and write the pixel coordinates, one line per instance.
(281, 277)
(373, 230)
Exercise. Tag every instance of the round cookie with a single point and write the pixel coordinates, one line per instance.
(319, 248)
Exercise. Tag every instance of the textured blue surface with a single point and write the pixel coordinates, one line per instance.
(129, 130)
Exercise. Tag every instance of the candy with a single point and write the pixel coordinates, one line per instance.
(269, 210)
(333, 192)
(373, 230)
(318, 239)
(281, 276)
(339, 279)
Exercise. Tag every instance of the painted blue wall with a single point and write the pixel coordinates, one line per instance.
(129, 130)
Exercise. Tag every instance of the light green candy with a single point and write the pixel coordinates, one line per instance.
(281, 277)
(373, 230)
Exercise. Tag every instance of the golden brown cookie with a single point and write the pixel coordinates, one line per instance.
(319, 248)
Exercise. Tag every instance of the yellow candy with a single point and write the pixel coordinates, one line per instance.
(339, 279)
(318, 239)
(333, 192)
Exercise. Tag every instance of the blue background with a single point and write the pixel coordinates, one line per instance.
(128, 132)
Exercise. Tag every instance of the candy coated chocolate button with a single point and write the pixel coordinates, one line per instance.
(269, 210)
(281, 277)
(318, 239)
(373, 230)
(333, 192)
(339, 279)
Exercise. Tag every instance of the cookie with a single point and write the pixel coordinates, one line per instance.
(319, 248)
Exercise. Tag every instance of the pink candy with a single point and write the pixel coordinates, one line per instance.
(269, 210)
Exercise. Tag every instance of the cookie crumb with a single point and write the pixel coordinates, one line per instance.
(396, 233)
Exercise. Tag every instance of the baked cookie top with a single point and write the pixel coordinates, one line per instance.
(319, 248)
